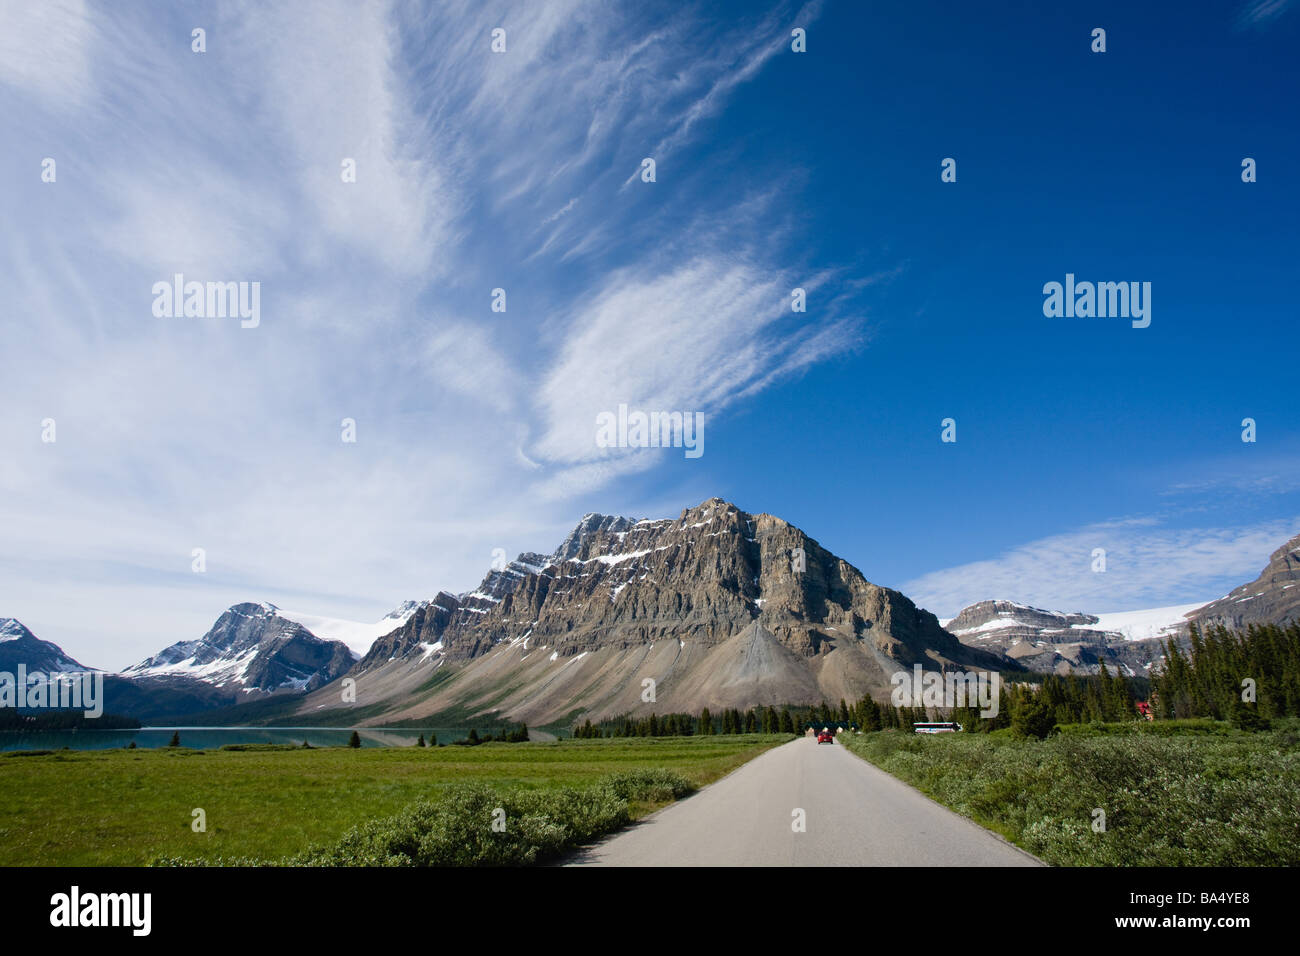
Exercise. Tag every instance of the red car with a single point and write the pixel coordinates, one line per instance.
(826, 737)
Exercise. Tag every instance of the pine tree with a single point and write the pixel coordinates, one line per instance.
(706, 723)
(420, 742)
(870, 715)
(355, 740)
(785, 723)
(176, 739)
(1032, 718)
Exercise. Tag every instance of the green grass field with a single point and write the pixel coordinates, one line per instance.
(128, 807)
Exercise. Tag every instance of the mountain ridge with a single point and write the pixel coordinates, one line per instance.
(716, 584)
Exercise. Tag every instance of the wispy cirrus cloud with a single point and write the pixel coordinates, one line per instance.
(1147, 565)
(474, 170)
(1258, 14)
(697, 337)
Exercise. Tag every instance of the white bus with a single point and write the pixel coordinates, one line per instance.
(937, 727)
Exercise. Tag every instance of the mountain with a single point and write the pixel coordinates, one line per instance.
(1064, 642)
(20, 646)
(714, 606)
(251, 647)
(1272, 598)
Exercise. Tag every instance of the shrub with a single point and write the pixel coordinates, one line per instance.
(1204, 796)
(479, 825)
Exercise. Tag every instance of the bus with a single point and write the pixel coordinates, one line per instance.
(937, 727)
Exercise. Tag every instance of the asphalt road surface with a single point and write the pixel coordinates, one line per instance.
(854, 814)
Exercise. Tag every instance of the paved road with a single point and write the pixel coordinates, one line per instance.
(855, 814)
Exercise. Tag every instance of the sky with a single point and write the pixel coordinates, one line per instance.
(522, 170)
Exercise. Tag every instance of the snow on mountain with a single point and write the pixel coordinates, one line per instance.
(252, 647)
(18, 645)
(357, 635)
(1140, 625)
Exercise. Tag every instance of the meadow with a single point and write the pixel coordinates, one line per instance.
(135, 807)
(1175, 793)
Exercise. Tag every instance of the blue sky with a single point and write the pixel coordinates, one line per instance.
(520, 170)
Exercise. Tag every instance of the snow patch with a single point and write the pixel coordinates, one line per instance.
(1137, 625)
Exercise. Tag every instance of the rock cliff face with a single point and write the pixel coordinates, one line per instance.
(1272, 598)
(717, 607)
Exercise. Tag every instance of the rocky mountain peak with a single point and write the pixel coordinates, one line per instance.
(989, 616)
(715, 582)
(1274, 596)
(18, 645)
(252, 646)
(11, 629)
(591, 529)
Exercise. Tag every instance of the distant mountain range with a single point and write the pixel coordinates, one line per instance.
(1061, 642)
(716, 608)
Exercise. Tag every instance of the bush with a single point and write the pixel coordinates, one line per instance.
(1204, 796)
(478, 825)
(1033, 718)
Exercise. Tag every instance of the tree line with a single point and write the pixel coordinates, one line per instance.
(1246, 676)
(1057, 699)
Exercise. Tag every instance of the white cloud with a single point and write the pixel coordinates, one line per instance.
(175, 434)
(1257, 14)
(1146, 566)
(45, 49)
(694, 338)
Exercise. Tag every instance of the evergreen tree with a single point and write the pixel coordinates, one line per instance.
(355, 739)
(870, 716)
(787, 722)
(420, 742)
(706, 723)
(176, 739)
(1032, 718)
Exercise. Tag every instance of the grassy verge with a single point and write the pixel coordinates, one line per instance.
(479, 825)
(1199, 795)
(130, 807)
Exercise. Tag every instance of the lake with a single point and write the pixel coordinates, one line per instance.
(207, 738)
